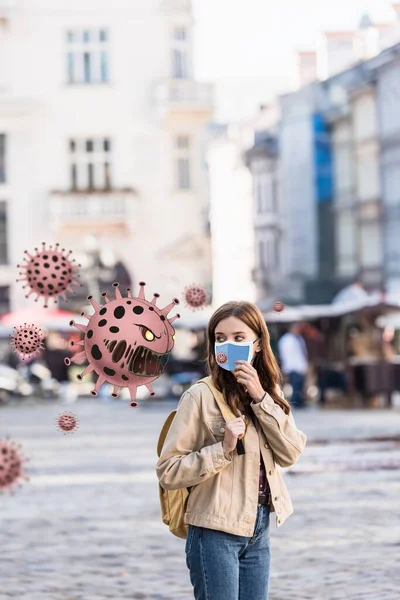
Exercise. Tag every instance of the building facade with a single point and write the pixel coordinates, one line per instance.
(103, 135)
(262, 161)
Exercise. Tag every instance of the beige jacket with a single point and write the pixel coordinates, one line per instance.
(224, 493)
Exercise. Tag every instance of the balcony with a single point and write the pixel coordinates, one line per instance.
(92, 209)
(177, 96)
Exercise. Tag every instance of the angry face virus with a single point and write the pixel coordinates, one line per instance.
(49, 273)
(11, 465)
(195, 297)
(67, 423)
(126, 342)
(27, 341)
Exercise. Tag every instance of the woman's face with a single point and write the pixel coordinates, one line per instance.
(233, 329)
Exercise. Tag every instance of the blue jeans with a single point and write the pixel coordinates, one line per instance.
(297, 381)
(224, 566)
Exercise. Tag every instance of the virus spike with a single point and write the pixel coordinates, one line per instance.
(81, 343)
(150, 388)
(78, 359)
(106, 298)
(89, 369)
(98, 385)
(167, 309)
(82, 328)
(129, 292)
(118, 294)
(154, 301)
(88, 317)
(141, 295)
(28, 255)
(172, 319)
(94, 303)
(132, 391)
(115, 392)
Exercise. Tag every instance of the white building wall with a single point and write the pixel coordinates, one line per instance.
(231, 221)
(123, 111)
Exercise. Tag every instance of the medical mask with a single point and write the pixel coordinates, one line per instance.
(226, 353)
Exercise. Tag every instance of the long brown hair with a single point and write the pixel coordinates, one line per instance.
(264, 362)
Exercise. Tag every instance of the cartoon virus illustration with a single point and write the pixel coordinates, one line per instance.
(67, 423)
(49, 273)
(278, 306)
(222, 358)
(27, 341)
(127, 341)
(195, 297)
(11, 465)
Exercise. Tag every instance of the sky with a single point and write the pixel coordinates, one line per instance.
(247, 47)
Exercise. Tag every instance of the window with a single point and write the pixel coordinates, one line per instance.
(2, 158)
(3, 234)
(87, 56)
(183, 162)
(180, 53)
(90, 164)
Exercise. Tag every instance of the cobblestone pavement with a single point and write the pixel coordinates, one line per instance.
(87, 526)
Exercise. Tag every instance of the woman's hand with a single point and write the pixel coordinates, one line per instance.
(246, 374)
(234, 431)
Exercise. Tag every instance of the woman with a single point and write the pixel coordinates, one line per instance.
(232, 489)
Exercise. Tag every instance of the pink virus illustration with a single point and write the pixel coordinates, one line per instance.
(222, 358)
(27, 341)
(195, 297)
(67, 423)
(278, 306)
(11, 465)
(127, 341)
(49, 273)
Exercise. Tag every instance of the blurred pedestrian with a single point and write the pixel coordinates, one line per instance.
(294, 362)
(54, 356)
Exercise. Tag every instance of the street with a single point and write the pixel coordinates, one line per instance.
(87, 525)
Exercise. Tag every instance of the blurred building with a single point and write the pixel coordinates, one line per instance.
(339, 50)
(231, 215)
(262, 161)
(338, 157)
(102, 132)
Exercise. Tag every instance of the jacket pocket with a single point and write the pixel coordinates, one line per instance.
(216, 425)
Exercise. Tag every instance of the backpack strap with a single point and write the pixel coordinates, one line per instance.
(224, 407)
(164, 431)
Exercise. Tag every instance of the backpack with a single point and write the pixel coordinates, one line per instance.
(173, 502)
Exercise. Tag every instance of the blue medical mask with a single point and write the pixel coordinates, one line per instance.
(227, 352)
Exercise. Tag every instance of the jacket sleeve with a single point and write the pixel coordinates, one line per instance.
(183, 463)
(286, 441)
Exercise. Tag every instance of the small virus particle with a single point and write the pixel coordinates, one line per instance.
(67, 423)
(278, 306)
(11, 465)
(195, 297)
(27, 341)
(49, 273)
(127, 341)
(222, 358)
